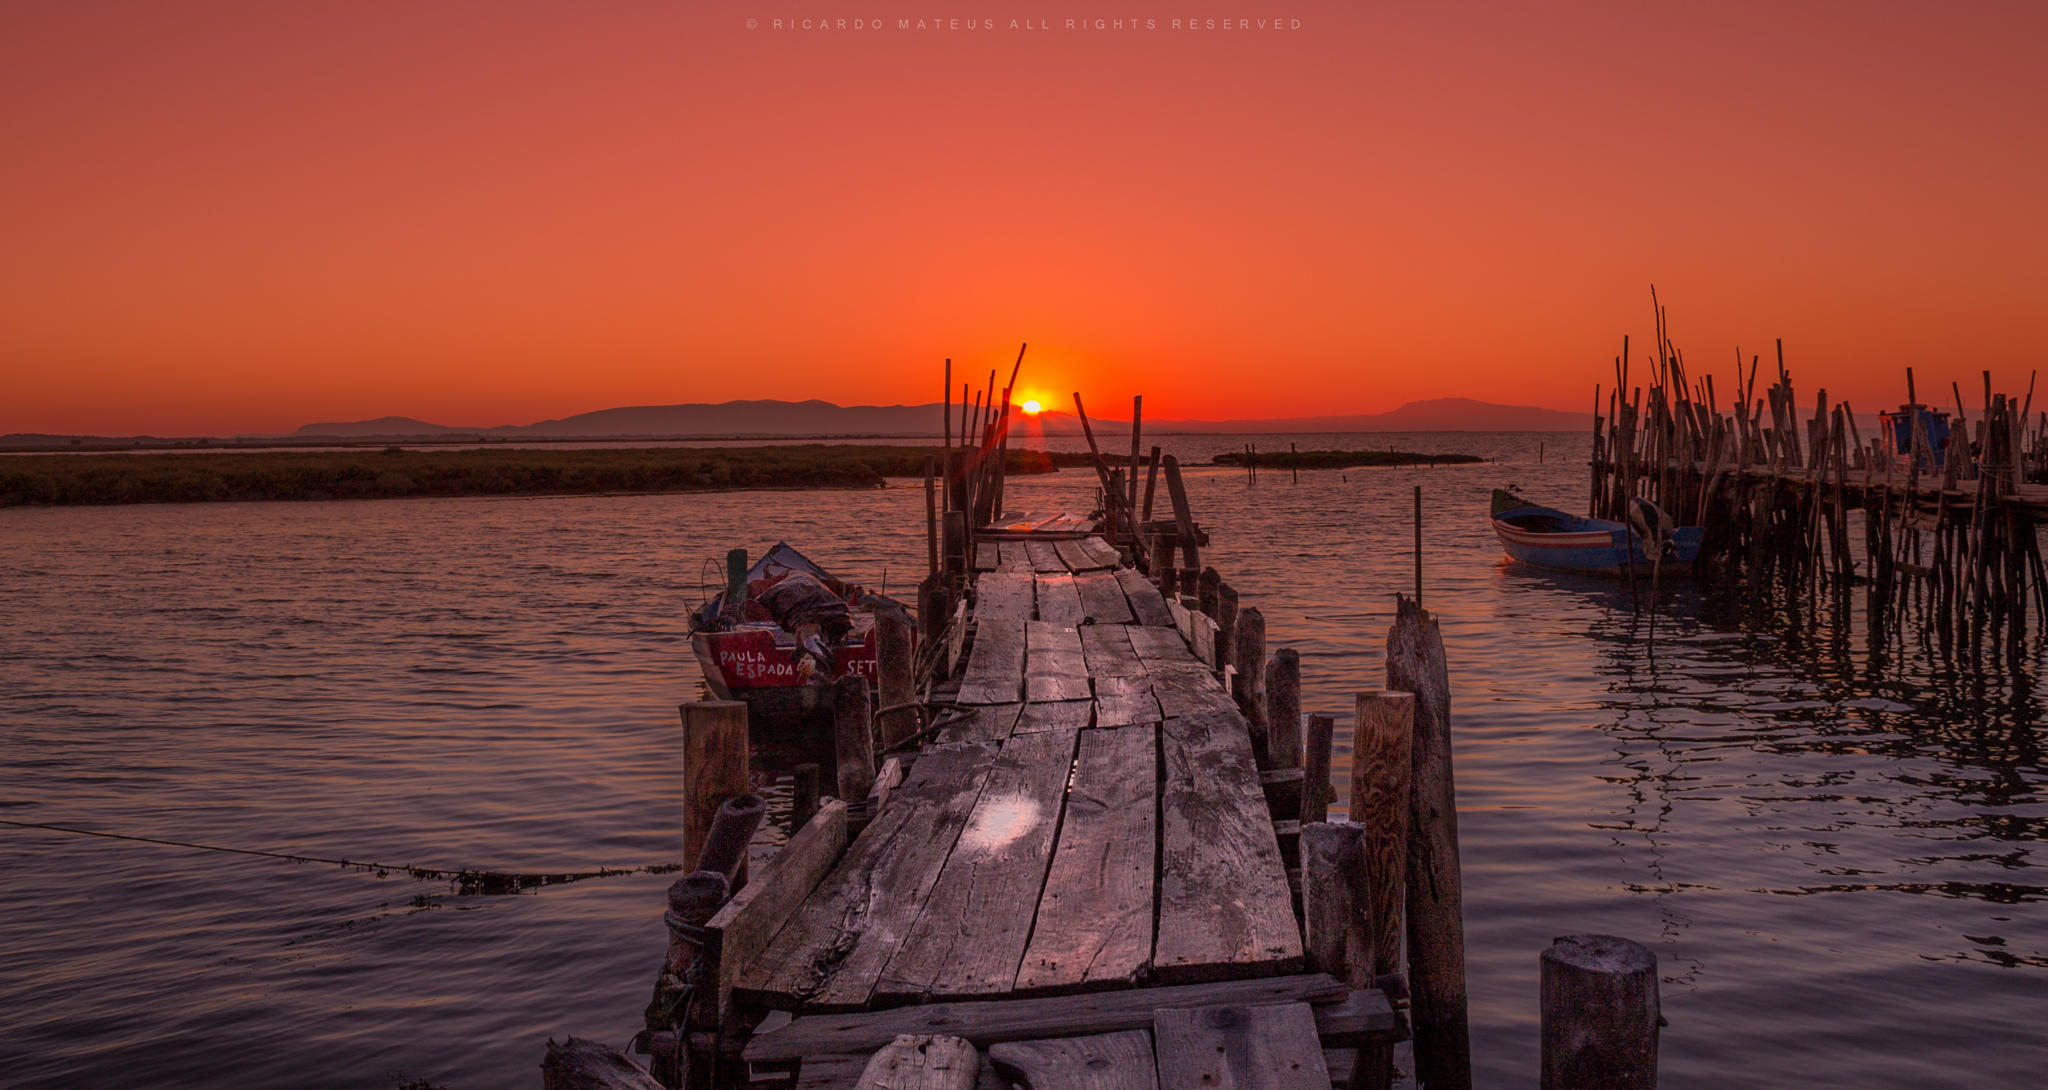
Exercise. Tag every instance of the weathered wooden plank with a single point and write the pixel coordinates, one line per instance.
(1005, 595)
(1147, 604)
(1124, 705)
(1095, 917)
(1224, 906)
(1103, 1061)
(1059, 601)
(1163, 645)
(1056, 715)
(986, 557)
(995, 665)
(1076, 557)
(1108, 650)
(971, 935)
(985, 723)
(1102, 599)
(1271, 1047)
(832, 951)
(1014, 556)
(1102, 551)
(1052, 636)
(991, 1021)
(1056, 688)
(738, 933)
(1045, 557)
(920, 1062)
(1181, 696)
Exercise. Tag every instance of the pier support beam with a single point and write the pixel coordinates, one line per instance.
(1600, 1014)
(714, 766)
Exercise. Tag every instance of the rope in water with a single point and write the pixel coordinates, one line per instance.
(466, 880)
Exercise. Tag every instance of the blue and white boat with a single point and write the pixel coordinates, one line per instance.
(1549, 538)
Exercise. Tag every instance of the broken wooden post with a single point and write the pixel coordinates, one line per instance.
(895, 669)
(732, 829)
(692, 900)
(1315, 769)
(1436, 923)
(1600, 1014)
(1336, 899)
(714, 766)
(1248, 686)
(1283, 712)
(803, 795)
(1381, 764)
(853, 738)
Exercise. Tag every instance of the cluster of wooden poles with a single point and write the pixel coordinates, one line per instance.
(1949, 537)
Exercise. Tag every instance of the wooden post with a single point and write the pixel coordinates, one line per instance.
(1335, 901)
(1247, 687)
(803, 797)
(956, 548)
(1436, 925)
(692, 900)
(853, 738)
(714, 766)
(1283, 711)
(1600, 1014)
(1151, 484)
(1226, 625)
(1137, 420)
(931, 516)
(1418, 546)
(1381, 763)
(895, 665)
(1209, 588)
(1315, 769)
(1183, 519)
(732, 829)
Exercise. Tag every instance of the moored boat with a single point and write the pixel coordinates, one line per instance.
(1549, 538)
(779, 634)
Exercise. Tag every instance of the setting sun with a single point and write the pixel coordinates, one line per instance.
(1032, 407)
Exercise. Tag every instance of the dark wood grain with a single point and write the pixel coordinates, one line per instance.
(1103, 1061)
(1272, 1047)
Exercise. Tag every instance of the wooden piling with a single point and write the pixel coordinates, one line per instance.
(1283, 709)
(1600, 1014)
(1436, 928)
(732, 829)
(1248, 685)
(853, 738)
(715, 764)
(1315, 775)
(803, 797)
(896, 684)
(1382, 758)
(1336, 901)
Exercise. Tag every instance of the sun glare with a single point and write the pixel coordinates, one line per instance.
(1032, 407)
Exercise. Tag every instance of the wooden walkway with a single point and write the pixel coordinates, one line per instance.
(1079, 876)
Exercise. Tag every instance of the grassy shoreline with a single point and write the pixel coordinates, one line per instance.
(393, 473)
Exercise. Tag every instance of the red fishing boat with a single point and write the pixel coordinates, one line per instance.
(780, 633)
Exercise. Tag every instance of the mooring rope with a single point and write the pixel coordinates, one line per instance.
(467, 881)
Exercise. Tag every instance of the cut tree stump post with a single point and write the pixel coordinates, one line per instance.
(1600, 1014)
(853, 738)
(1381, 747)
(714, 766)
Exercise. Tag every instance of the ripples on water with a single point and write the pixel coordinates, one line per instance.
(1835, 866)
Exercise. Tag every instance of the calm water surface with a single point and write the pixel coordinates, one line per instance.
(1834, 863)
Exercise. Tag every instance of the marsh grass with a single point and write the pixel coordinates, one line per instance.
(395, 472)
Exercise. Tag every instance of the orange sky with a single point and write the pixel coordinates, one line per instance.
(236, 217)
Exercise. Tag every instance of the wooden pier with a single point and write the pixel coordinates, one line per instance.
(1088, 852)
(1950, 527)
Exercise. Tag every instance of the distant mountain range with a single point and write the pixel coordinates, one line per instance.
(751, 419)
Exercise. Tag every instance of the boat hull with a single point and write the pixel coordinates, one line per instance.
(1546, 537)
